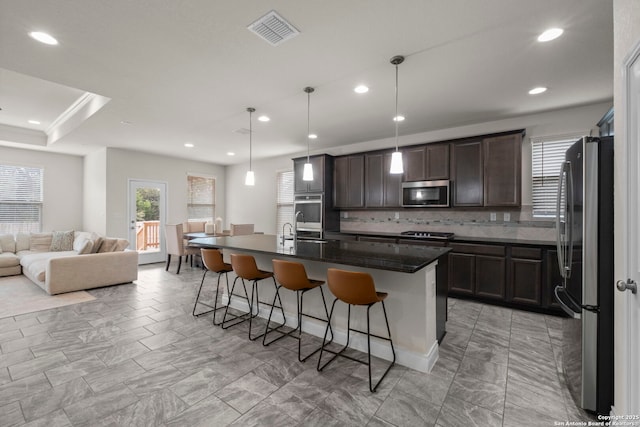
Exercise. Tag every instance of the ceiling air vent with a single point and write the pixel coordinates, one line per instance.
(273, 28)
(242, 131)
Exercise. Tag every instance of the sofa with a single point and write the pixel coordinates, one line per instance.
(67, 261)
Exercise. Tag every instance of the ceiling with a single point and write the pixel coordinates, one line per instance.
(167, 72)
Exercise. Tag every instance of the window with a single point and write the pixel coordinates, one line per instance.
(284, 200)
(547, 155)
(20, 199)
(201, 193)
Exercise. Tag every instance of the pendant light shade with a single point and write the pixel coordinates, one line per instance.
(307, 172)
(396, 157)
(250, 179)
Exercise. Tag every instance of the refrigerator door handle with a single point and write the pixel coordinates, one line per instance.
(563, 228)
(567, 303)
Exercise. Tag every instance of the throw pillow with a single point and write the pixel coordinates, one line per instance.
(82, 245)
(108, 245)
(40, 242)
(97, 243)
(121, 245)
(62, 241)
(23, 242)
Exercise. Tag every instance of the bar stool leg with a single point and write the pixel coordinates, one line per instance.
(326, 331)
(241, 317)
(384, 310)
(277, 295)
(214, 308)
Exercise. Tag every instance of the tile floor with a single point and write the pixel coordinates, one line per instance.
(136, 356)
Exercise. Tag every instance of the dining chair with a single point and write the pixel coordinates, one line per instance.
(174, 238)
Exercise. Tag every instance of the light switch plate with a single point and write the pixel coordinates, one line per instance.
(493, 216)
(507, 217)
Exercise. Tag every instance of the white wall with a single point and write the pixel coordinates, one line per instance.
(257, 205)
(63, 183)
(626, 15)
(122, 165)
(95, 192)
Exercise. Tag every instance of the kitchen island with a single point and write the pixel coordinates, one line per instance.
(406, 272)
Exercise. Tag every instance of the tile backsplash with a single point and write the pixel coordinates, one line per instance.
(513, 224)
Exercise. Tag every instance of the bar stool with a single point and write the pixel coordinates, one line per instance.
(212, 260)
(354, 288)
(245, 268)
(293, 276)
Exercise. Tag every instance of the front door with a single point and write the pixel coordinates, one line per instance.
(147, 207)
(629, 333)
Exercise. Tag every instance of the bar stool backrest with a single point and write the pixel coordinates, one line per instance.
(352, 287)
(245, 266)
(212, 259)
(291, 275)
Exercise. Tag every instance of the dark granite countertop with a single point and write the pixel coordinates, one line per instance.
(456, 238)
(381, 256)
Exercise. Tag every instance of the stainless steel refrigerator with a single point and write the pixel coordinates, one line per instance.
(584, 225)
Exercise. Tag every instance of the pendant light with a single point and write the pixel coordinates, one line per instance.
(396, 156)
(307, 172)
(250, 179)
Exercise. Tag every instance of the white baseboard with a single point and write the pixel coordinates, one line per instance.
(379, 348)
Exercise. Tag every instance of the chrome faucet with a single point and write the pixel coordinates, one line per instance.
(290, 231)
(295, 224)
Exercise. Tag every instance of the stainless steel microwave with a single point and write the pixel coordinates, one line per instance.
(425, 194)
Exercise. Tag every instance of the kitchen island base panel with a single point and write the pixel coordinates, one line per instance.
(410, 306)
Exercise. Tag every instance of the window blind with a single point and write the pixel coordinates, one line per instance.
(201, 195)
(284, 200)
(547, 155)
(21, 196)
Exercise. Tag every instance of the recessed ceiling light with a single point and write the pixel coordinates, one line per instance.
(189, 145)
(43, 37)
(398, 118)
(361, 89)
(537, 90)
(264, 118)
(231, 153)
(313, 136)
(34, 122)
(550, 34)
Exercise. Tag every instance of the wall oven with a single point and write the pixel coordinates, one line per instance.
(308, 216)
(425, 194)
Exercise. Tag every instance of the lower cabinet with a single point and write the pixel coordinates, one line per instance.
(525, 271)
(518, 276)
(477, 270)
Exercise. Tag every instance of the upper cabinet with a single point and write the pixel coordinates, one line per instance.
(349, 181)
(382, 189)
(487, 172)
(467, 173)
(502, 170)
(321, 173)
(426, 162)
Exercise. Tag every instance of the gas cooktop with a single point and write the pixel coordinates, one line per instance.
(440, 235)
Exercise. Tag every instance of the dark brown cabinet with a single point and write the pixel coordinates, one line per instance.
(525, 270)
(437, 161)
(478, 270)
(349, 181)
(502, 162)
(426, 162)
(467, 173)
(317, 185)
(382, 189)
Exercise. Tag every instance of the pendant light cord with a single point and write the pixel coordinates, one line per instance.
(251, 110)
(308, 90)
(396, 116)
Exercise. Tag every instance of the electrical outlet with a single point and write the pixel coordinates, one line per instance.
(397, 215)
(345, 214)
(492, 216)
(507, 217)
